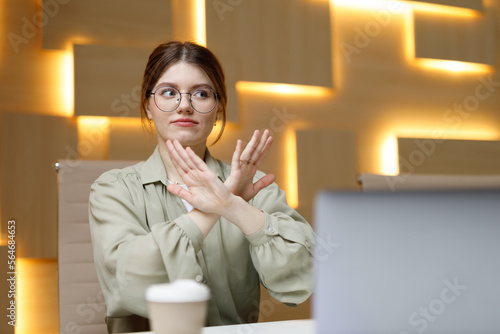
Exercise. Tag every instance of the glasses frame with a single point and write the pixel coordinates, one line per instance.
(217, 97)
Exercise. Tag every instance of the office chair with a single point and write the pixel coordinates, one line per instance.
(81, 302)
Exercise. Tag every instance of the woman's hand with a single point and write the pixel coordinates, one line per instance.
(244, 165)
(206, 191)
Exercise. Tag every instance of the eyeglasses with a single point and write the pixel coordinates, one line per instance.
(168, 99)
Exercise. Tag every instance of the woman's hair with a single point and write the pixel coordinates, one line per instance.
(169, 53)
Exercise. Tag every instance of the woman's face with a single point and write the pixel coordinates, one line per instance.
(184, 124)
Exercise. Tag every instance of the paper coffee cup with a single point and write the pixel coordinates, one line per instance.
(179, 307)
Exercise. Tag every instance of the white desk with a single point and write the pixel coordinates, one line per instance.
(276, 327)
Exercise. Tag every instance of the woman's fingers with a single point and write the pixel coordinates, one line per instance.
(263, 182)
(184, 155)
(256, 149)
(235, 162)
(196, 162)
(246, 156)
(180, 192)
(184, 160)
(262, 142)
(262, 154)
(179, 163)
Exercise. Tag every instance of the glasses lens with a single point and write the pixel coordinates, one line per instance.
(167, 98)
(203, 100)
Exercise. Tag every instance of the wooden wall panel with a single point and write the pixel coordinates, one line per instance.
(431, 156)
(115, 22)
(130, 141)
(31, 80)
(330, 165)
(468, 39)
(30, 144)
(108, 80)
(280, 41)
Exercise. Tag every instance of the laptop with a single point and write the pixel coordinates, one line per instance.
(405, 263)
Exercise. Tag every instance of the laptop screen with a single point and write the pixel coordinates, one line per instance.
(423, 262)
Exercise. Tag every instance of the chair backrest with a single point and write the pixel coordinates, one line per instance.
(81, 303)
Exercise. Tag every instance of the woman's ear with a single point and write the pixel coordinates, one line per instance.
(149, 113)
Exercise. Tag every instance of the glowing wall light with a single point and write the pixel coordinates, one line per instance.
(68, 95)
(437, 9)
(453, 66)
(389, 164)
(188, 20)
(286, 89)
(292, 192)
(200, 22)
(363, 4)
(93, 137)
(389, 158)
(36, 296)
(439, 64)
(409, 36)
(23, 292)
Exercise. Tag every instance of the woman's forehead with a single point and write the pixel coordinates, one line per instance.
(183, 73)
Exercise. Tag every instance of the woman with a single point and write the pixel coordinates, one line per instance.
(184, 214)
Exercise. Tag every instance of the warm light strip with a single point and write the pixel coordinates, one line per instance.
(437, 64)
(409, 36)
(363, 4)
(93, 121)
(200, 22)
(23, 294)
(93, 137)
(453, 66)
(68, 94)
(292, 192)
(285, 89)
(430, 8)
(389, 162)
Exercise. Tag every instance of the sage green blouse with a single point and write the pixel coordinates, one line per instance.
(141, 236)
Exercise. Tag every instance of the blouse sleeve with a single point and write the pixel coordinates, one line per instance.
(129, 255)
(282, 251)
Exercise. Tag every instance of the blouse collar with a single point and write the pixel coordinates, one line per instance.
(153, 170)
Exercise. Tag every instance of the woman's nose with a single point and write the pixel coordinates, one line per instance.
(185, 104)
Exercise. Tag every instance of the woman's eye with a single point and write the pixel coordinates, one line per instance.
(201, 93)
(168, 92)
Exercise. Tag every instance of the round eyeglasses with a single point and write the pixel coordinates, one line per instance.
(168, 99)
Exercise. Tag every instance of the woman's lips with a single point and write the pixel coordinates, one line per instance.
(185, 122)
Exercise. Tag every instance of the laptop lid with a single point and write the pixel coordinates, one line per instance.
(424, 262)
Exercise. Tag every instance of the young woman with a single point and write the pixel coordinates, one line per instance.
(184, 214)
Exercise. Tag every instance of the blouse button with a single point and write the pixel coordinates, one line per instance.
(199, 278)
(271, 229)
(308, 244)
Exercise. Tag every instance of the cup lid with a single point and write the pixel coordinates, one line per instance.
(179, 291)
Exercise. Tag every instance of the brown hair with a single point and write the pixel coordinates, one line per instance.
(169, 53)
